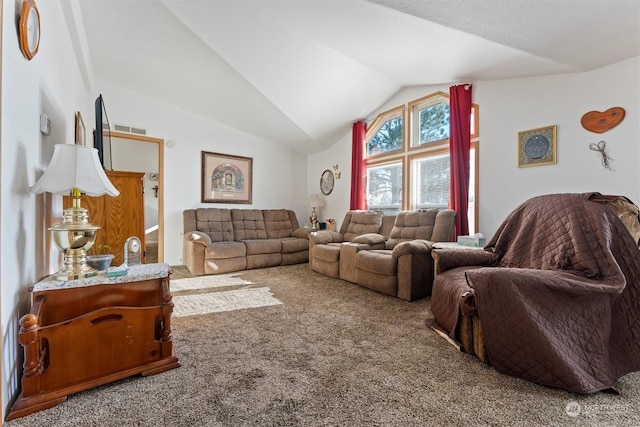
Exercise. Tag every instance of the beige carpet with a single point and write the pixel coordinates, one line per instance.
(332, 354)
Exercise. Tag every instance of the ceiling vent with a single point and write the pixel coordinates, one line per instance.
(129, 129)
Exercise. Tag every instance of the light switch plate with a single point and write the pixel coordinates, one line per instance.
(45, 124)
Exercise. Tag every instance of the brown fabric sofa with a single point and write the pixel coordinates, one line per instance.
(388, 254)
(404, 267)
(327, 248)
(218, 240)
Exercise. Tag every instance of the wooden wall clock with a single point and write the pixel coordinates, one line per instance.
(29, 29)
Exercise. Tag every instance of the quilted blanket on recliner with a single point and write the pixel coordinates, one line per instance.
(562, 308)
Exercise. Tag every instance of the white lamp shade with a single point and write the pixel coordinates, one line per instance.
(315, 201)
(75, 166)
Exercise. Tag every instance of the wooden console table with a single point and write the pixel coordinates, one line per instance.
(81, 334)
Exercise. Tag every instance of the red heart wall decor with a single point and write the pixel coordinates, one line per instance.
(595, 121)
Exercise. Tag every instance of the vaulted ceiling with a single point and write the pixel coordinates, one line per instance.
(299, 72)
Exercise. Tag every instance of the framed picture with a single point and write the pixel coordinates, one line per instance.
(537, 146)
(80, 130)
(326, 182)
(226, 178)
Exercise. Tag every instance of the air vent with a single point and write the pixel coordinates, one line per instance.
(129, 129)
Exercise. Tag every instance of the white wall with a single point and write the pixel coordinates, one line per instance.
(507, 107)
(50, 83)
(279, 175)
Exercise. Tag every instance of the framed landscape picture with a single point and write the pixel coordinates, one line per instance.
(226, 178)
(537, 147)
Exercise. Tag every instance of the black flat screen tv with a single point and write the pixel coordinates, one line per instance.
(102, 124)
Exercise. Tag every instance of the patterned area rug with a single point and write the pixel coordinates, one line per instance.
(206, 282)
(202, 295)
(193, 305)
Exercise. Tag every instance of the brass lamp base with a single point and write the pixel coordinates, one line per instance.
(75, 266)
(74, 236)
(314, 219)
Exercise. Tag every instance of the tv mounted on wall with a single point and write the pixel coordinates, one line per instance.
(102, 124)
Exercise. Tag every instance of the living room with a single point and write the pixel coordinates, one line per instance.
(58, 82)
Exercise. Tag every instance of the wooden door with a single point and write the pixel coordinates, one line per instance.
(118, 217)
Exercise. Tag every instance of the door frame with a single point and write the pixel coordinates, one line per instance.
(160, 142)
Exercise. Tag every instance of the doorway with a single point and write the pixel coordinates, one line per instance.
(141, 153)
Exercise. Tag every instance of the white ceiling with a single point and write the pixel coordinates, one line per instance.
(299, 72)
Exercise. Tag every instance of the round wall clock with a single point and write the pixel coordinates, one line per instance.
(29, 29)
(326, 182)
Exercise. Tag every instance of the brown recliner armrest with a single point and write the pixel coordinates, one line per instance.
(324, 236)
(412, 247)
(453, 258)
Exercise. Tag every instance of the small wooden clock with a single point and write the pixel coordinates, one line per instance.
(132, 251)
(29, 29)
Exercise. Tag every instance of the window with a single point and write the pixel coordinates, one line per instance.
(384, 187)
(387, 133)
(424, 147)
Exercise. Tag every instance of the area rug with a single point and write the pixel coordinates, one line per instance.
(198, 304)
(207, 282)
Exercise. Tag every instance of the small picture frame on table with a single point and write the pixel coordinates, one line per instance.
(537, 147)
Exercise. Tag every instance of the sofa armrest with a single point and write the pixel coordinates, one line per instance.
(324, 236)
(302, 233)
(195, 244)
(197, 237)
(370, 239)
(453, 258)
(412, 247)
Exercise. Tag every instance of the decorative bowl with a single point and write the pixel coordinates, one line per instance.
(99, 262)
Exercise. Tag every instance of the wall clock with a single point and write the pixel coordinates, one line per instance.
(29, 29)
(326, 182)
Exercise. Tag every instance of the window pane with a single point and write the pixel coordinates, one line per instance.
(384, 187)
(433, 123)
(432, 174)
(388, 138)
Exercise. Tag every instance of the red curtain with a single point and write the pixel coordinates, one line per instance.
(358, 169)
(459, 150)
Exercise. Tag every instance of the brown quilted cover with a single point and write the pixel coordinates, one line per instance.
(562, 308)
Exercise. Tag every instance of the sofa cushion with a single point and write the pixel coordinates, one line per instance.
(278, 223)
(224, 250)
(248, 224)
(377, 261)
(260, 246)
(363, 222)
(293, 244)
(216, 223)
(412, 225)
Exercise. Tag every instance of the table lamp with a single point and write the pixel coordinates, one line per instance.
(74, 170)
(314, 202)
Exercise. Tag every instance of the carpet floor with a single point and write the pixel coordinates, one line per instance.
(331, 354)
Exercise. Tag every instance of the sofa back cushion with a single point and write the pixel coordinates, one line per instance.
(214, 222)
(279, 223)
(412, 225)
(248, 224)
(357, 223)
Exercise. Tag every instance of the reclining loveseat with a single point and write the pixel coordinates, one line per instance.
(388, 254)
